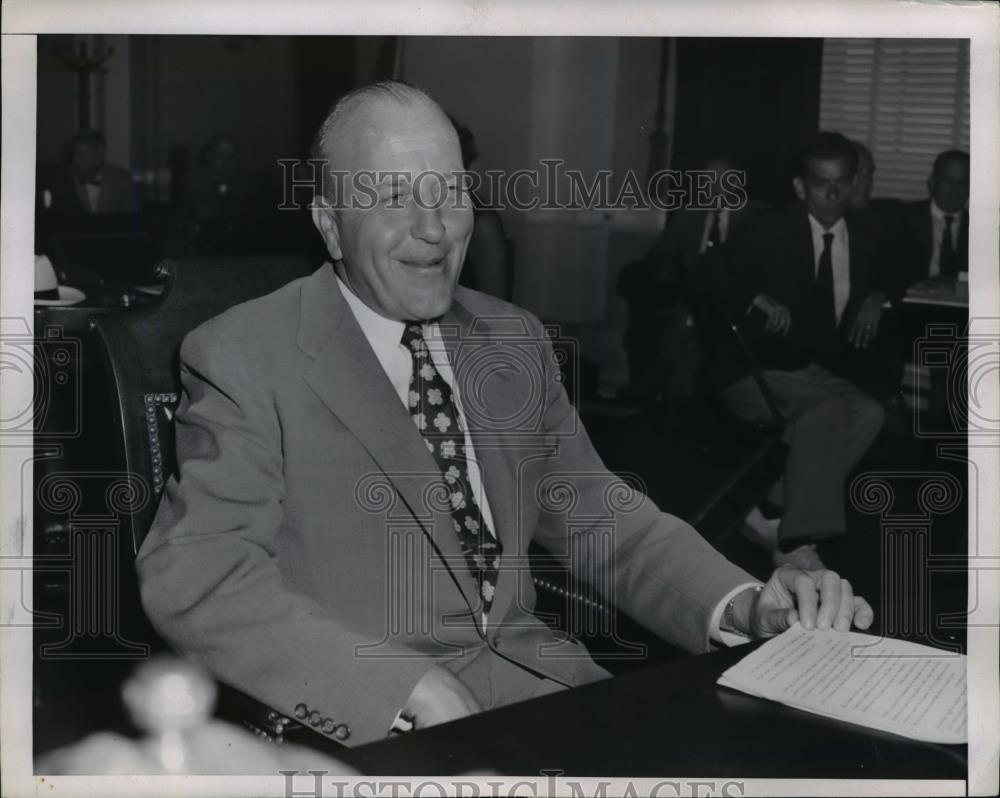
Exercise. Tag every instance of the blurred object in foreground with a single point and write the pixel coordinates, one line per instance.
(171, 702)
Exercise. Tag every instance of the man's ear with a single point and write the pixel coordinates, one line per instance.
(326, 223)
(800, 187)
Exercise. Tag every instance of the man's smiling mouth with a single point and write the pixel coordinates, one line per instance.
(424, 263)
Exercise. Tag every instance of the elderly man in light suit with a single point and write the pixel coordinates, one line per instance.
(366, 454)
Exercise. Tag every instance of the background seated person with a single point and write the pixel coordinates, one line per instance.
(88, 183)
(226, 203)
(662, 339)
(803, 281)
(938, 227)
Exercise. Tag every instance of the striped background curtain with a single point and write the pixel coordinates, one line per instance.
(907, 99)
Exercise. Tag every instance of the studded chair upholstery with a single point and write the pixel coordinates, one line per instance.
(140, 350)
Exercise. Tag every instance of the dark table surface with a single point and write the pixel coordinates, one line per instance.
(668, 720)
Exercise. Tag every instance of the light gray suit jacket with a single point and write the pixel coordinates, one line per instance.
(304, 554)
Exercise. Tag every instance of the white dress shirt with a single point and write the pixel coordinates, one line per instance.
(840, 259)
(937, 236)
(93, 193)
(385, 336)
(724, 215)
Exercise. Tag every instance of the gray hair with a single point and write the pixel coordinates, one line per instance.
(398, 91)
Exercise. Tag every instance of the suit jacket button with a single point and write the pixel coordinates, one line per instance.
(314, 718)
(328, 726)
(301, 710)
(342, 732)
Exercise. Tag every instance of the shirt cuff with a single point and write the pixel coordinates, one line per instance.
(718, 635)
(400, 725)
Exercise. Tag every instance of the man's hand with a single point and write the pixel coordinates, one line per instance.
(865, 326)
(779, 320)
(437, 698)
(816, 599)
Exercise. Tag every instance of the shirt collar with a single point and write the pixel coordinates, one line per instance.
(838, 229)
(383, 334)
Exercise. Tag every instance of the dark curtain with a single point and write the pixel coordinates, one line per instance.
(324, 70)
(754, 99)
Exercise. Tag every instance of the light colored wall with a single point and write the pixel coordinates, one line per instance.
(588, 101)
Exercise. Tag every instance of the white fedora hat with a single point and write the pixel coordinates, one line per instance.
(47, 288)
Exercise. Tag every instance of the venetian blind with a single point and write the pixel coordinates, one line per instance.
(907, 99)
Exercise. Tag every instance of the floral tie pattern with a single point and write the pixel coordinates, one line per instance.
(434, 413)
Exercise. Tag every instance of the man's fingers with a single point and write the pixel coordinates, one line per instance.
(829, 599)
(845, 614)
(863, 613)
(785, 321)
(805, 599)
(779, 320)
(777, 621)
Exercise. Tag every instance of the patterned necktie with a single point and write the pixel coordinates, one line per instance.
(946, 260)
(825, 306)
(433, 410)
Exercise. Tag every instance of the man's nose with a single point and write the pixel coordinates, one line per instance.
(427, 224)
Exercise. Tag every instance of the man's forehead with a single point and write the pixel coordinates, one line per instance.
(825, 167)
(379, 141)
(954, 169)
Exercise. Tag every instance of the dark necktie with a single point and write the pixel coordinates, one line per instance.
(825, 308)
(947, 258)
(715, 231)
(433, 410)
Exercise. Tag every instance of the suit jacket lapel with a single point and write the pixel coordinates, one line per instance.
(347, 376)
(803, 255)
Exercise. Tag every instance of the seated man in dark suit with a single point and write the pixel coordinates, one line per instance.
(677, 266)
(939, 226)
(803, 280)
(88, 184)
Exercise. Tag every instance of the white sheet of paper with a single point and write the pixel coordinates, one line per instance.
(892, 685)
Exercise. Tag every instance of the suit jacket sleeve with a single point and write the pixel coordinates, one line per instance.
(209, 573)
(737, 276)
(665, 255)
(663, 573)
